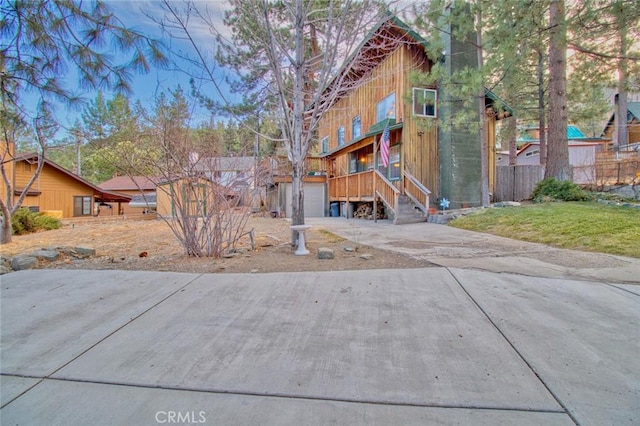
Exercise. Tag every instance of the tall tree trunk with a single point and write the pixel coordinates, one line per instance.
(512, 131)
(558, 152)
(542, 122)
(5, 231)
(484, 140)
(297, 154)
(622, 105)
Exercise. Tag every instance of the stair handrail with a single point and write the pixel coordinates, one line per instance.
(425, 192)
(387, 191)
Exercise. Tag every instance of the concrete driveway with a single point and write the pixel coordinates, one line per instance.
(452, 247)
(440, 345)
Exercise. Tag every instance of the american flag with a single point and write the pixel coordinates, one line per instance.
(384, 145)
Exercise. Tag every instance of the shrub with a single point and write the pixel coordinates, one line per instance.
(554, 190)
(47, 223)
(24, 221)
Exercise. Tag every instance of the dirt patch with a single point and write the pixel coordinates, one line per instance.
(151, 246)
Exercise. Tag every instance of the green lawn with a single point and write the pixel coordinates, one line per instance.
(586, 226)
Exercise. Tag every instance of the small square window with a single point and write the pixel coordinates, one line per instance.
(424, 102)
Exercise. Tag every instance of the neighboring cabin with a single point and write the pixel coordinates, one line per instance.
(633, 126)
(582, 152)
(57, 191)
(142, 190)
(192, 196)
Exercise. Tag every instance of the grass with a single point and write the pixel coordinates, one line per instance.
(586, 226)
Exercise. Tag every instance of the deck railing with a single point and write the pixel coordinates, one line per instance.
(312, 165)
(355, 185)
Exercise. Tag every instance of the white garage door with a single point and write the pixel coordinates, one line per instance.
(314, 199)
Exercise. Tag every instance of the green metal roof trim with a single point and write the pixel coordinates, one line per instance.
(633, 108)
(574, 133)
(496, 100)
(374, 130)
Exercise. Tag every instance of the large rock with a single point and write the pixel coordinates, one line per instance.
(22, 262)
(325, 253)
(49, 255)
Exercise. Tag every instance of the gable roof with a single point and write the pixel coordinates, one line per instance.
(129, 183)
(368, 47)
(101, 194)
(573, 134)
(633, 108)
(633, 112)
(392, 23)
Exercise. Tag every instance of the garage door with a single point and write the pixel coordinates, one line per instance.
(314, 199)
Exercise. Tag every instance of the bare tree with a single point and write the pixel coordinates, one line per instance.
(287, 56)
(202, 206)
(45, 128)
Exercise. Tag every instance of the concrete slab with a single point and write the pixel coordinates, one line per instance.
(380, 337)
(11, 387)
(581, 338)
(635, 289)
(458, 248)
(62, 403)
(49, 318)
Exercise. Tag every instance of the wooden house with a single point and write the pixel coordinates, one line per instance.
(193, 196)
(142, 190)
(56, 191)
(426, 161)
(633, 127)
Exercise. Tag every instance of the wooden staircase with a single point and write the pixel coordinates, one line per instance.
(412, 206)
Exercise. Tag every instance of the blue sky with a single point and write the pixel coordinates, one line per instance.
(139, 15)
(134, 15)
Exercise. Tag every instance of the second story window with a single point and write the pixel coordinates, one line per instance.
(386, 108)
(340, 135)
(325, 144)
(355, 127)
(424, 102)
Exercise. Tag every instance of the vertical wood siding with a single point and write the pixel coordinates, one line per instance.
(57, 189)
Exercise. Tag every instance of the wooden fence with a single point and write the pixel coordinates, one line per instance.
(516, 183)
(621, 168)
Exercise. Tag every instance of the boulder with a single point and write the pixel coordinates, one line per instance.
(22, 262)
(325, 253)
(49, 255)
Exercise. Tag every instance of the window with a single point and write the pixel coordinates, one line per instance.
(392, 172)
(386, 108)
(353, 162)
(355, 127)
(394, 162)
(424, 102)
(340, 135)
(325, 144)
(82, 206)
(531, 153)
